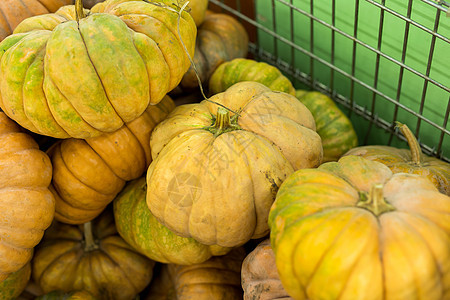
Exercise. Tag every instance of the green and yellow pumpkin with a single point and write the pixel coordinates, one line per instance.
(15, 283)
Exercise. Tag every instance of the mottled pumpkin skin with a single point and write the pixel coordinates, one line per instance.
(196, 8)
(243, 69)
(335, 129)
(64, 78)
(27, 206)
(108, 268)
(259, 275)
(201, 184)
(217, 278)
(220, 38)
(75, 295)
(81, 194)
(139, 228)
(329, 244)
(12, 12)
(15, 283)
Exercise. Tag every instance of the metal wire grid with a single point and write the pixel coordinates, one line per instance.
(368, 113)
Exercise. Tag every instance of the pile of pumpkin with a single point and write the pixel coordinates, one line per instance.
(113, 187)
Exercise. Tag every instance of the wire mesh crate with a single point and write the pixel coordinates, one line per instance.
(382, 61)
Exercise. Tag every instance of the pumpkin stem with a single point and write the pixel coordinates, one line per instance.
(79, 10)
(223, 123)
(89, 242)
(375, 201)
(416, 151)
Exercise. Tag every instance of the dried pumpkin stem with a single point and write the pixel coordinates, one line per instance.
(223, 122)
(375, 201)
(79, 10)
(89, 242)
(416, 151)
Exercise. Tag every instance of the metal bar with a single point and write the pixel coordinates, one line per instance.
(441, 139)
(291, 16)
(440, 85)
(274, 26)
(355, 34)
(311, 41)
(333, 41)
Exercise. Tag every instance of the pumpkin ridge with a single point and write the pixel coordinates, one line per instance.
(43, 4)
(6, 19)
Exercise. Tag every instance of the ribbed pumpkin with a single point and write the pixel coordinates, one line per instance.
(354, 230)
(90, 257)
(12, 12)
(59, 295)
(12, 287)
(215, 173)
(243, 69)
(220, 38)
(216, 278)
(64, 78)
(335, 129)
(196, 8)
(410, 160)
(259, 275)
(139, 228)
(81, 194)
(26, 205)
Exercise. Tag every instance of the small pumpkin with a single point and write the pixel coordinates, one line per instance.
(15, 283)
(81, 194)
(12, 12)
(128, 52)
(217, 278)
(259, 275)
(216, 171)
(334, 128)
(26, 205)
(354, 230)
(91, 257)
(243, 69)
(74, 295)
(220, 38)
(410, 160)
(139, 228)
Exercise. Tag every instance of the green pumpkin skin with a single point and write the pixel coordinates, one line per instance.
(334, 128)
(139, 228)
(15, 283)
(60, 295)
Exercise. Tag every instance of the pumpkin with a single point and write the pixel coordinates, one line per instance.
(216, 171)
(334, 128)
(196, 8)
(354, 230)
(259, 275)
(243, 69)
(410, 160)
(220, 38)
(139, 228)
(12, 12)
(15, 283)
(91, 257)
(81, 194)
(26, 205)
(217, 278)
(67, 78)
(74, 295)
(90, 3)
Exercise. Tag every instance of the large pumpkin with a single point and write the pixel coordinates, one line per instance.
(410, 160)
(259, 275)
(67, 78)
(91, 257)
(217, 278)
(26, 205)
(12, 287)
(220, 38)
(354, 230)
(243, 69)
(215, 172)
(81, 194)
(12, 12)
(196, 8)
(334, 128)
(139, 228)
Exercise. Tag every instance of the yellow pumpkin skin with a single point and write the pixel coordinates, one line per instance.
(69, 258)
(354, 230)
(259, 275)
(80, 193)
(12, 12)
(27, 206)
(217, 278)
(128, 52)
(201, 183)
(410, 160)
(196, 8)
